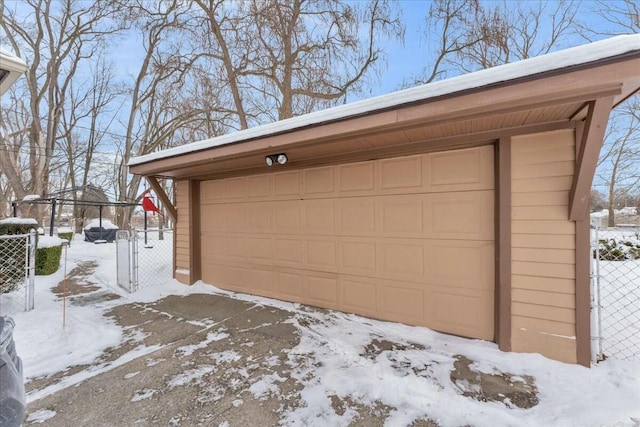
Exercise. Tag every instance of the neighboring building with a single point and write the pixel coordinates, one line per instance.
(461, 205)
(11, 67)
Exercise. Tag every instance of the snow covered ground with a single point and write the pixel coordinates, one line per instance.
(413, 378)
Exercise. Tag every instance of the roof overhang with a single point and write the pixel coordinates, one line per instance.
(11, 67)
(524, 97)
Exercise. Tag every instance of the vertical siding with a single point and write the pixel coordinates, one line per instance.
(183, 242)
(543, 245)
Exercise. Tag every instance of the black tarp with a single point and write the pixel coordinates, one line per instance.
(96, 233)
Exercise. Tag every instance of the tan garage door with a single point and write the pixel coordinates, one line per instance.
(407, 239)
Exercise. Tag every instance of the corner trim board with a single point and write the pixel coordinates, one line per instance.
(503, 243)
(583, 293)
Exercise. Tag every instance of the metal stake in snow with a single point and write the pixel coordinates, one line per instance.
(64, 286)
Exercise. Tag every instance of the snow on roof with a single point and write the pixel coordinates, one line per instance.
(8, 56)
(15, 67)
(553, 61)
(106, 224)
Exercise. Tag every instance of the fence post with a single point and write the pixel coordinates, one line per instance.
(32, 270)
(134, 259)
(596, 304)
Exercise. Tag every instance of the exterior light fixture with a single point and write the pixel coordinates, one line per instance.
(272, 159)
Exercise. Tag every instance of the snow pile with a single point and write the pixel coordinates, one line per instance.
(49, 242)
(106, 224)
(64, 230)
(30, 197)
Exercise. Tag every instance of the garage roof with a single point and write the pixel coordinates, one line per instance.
(431, 104)
(10, 69)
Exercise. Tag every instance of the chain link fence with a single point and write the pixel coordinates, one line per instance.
(17, 272)
(616, 293)
(151, 258)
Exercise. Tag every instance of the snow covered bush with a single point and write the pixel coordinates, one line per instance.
(14, 226)
(48, 255)
(12, 253)
(65, 233)
(618, 249)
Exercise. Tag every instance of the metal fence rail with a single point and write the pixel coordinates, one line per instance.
(616, 293)
(17, 272)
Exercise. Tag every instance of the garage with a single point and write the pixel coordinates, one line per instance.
(460, 205)
(407, 239)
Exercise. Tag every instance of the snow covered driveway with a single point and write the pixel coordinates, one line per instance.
(186, 356)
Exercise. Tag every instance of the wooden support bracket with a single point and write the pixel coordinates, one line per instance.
(587, 159)
(162, 195)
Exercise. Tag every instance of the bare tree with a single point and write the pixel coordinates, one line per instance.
(285, 58)
(158, 98)
(472, 35)
(84, 123)
(615, 17)
(618, 166)
(448, 30)
(54, 38)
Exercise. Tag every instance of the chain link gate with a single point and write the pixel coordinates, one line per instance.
(615, 293)
(17, 272)
(144, 258)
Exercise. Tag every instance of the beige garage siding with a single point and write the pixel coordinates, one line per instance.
(407, 239)
(543, 245)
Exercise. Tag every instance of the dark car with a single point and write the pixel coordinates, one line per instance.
(12, 397)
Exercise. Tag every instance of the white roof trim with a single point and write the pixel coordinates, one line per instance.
(14, 65)
(553, 61)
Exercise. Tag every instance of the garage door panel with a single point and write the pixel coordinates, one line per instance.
(261, 280)
(213, 217)
(403, 259)
(234, 188)
(258, 217)
(322, 254)
(464, 313)
(259, 248)
(356, 177)
(403, 304)
(460, 170)
(319, 216)
(359, 296)
(319, 181)
(289, 285)
(407, 239)
(233, 217)
(289, 250)
(357, 216)
(260, 186)
(460, 215)
(223, 246)
(402, 215)
(287, 216)
(403, 172)
(212, 191)
(322, 290)
(357, 256)
(287, 183)
(461, 264)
